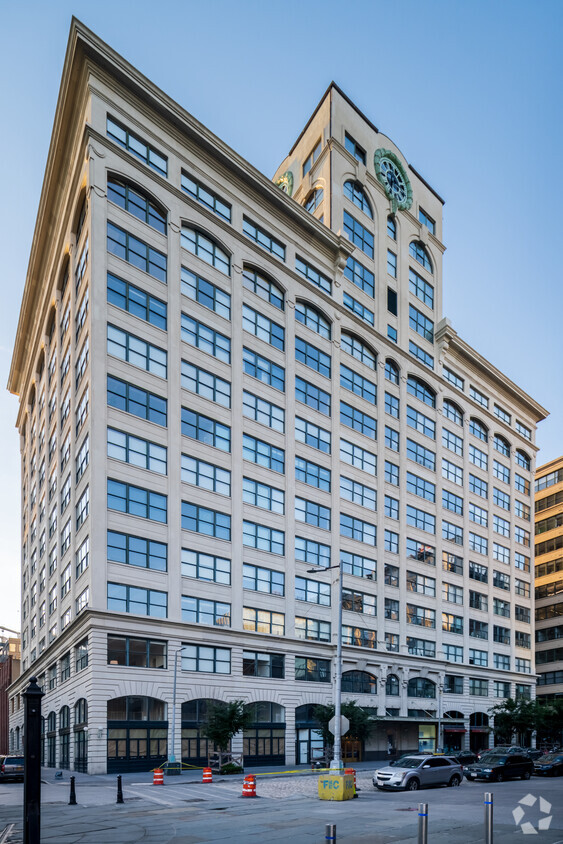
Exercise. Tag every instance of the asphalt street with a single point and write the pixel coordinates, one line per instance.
(184, 811)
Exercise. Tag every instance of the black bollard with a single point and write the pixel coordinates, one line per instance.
(72, 800)
(32, 769)
(119, 791)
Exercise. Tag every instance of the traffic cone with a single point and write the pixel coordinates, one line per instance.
(207, 775)
(249, 786)
(158, 776)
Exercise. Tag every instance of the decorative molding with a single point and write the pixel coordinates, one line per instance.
(382, 155)
(285, 183)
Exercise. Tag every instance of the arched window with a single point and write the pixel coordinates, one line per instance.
(266, 713)
(51, 722)
(391, 228)
(358, 350)
(478, 429)
(392, 685)
(137, 202)
(81, 711)
(359, 682)
(421, 687)
(206, 248)
(17, 738)
(523, 460)
(64, 718)
(138, 708)
(417, 250)
(417, 387)
(453, 715)
(263, 287)
(356, 194)
(313, 319)
(314, 200)
(12, 739)
(502, 445)
(452, 411)
(391, 371)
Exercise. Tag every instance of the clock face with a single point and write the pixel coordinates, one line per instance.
(394, 180)
(391, 173)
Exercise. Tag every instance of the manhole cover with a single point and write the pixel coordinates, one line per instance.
(409, 809)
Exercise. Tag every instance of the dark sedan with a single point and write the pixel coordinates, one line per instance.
(497, 768)
(466, 757)
(550, 765)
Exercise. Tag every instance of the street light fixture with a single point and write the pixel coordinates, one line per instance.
(336, 763)
(171, 756)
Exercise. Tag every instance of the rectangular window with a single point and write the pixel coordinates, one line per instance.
(421, 616)
(136, 600)
(391, 438)
(427, 221)
(312, 396)
(356, 492)
(452, 442)
(419, 486)
(263, 411)
(351, 417)
(205, 659)
(360, 276)
(452, 623)
(205, 384)
(136, 551)
(135, 301)
(312, 591)
(477, 657)
(421, 647)
(392, 304)
(312, 157)
(417, 550)
(452, 502)
(205, 475)
(133, 350)
(421, 455)
(453, 378)
(263, 538)
(136, 501)
(312, 474)
(312, 357)
(451, 593)
(478, 396)
(420, 583)
(206, 339)
(391, 263)
(134, 144)
(206, 521)
(391, 507)
(263, 328)
(312, 670)
(354, 148)
(263, 454)
(358, 529)
(137, 451)
(202, 611)
(313, 275)
(208, 567)
(207, 197)
(452, 532)
(522, 510)
(478, 543)
(391, 576)
(421, 519)
(262, 665)
(476, 485)
(524, 430)
(263, 238)
(206, 430)
(205, 293)
(392, 405)
(312, 513)
(478, 629)
(263, 369)
(501, 499)
(522, 536)
(522, 484)
(421, 354)
(501, 472)
(311, 552)
(82, 361)
(453, 653)
(391, 542)
(132, 399)
(391, 473)
(421, 324)
(259, 579)
(357, 565)
(502, 414)
(359, 457)
(311, 628)
(421, 423)
(425, 292)
(263, 621)
(479, 688)
(359, 235)
(358, 309)
(359, 637)
(501, 526)
(138, 653)
(311, 434)
(356, 383)
(262, 495)
(82, 508)
(478, 515)
(136, 252)
(452, 472)
(353, 601)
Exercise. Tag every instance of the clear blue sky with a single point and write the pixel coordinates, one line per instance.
(470, 92)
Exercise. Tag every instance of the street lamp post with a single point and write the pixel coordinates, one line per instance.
(336, 763)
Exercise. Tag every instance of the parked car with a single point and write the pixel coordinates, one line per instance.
(535, 754)
(419, 770)
(11, 768)
(497, 767)
(502, 748)
(549, 765)
(466, 757)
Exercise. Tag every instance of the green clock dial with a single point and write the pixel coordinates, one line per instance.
(390, 172)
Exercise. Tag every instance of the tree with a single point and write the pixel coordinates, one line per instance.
(225, 720)
(361, 724)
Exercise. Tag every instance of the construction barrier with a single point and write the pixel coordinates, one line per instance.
(158, 776)
(207, 775)
(336, 786)
(352, 771)
(249, 786)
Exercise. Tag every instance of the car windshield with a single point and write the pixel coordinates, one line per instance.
(494, 760)
(551, 757)
(406, 762)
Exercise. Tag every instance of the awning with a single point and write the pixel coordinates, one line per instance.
(480, 729)
(454, 729)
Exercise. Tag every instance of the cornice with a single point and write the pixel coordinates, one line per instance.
(449, 339)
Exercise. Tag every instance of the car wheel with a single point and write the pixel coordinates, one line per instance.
(455, 781)
(413, 784)
(526, 775)
(499, 777)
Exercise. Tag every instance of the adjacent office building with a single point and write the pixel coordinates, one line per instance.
(549, 580)
(238, 396)
(10, 655)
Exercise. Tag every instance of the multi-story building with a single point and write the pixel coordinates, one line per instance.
(549, 579)
(234, 392)
(10, 656)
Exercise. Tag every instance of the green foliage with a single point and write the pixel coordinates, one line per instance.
(520, 716)
(361, 724)
(225, 720)
(231, 768)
